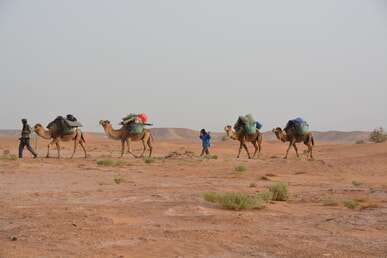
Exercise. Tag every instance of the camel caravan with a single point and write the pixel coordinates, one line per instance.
(246, 129)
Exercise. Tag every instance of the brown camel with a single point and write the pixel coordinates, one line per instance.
(124, 135)
(55, 133)
(242, 137)
(293, 137)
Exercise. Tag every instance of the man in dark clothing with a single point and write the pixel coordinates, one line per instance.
(25, 139)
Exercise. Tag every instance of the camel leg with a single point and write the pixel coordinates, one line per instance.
(129, 141)
(150, 145)
(48, 149)
(310, 150)
(295, 148)
(247, 150)
(122, 147)
(259, 149)
(310, 147)
(58, 148)
(256, 148)
(287, 151)
(83, 147)
(75, 148)
(240, 148)
(143, 147)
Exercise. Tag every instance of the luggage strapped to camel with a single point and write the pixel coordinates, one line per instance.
(67, 124)
(248, 123)
(135, 123)
(299, 124)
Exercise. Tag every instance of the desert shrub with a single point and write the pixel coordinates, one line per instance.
(235, 201)
(280, 191)
(110, 163)
(210, 156)
(212, 196)
(189, 153)
(351, 204)
(378, 135)
(240, 168)
(360, 142)
(119, 180)
(356, 183)
(119, 163)
(170, 155)
(105, 162)
(149, 160)
(253, 184)
(330, 202)
(265, 196)
(238, 201)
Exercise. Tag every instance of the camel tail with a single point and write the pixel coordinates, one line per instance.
(312, 141)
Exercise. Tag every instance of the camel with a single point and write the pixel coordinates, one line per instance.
(242, 137)
(55, 133)
(124, 135)
(293, 137)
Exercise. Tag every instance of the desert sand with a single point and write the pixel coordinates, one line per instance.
(74, 208)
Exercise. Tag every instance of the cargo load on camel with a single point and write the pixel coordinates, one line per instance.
(67, 124)
(299, 124)
(135, 123)
(248, 124)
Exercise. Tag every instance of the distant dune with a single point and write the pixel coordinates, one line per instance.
(192, 135)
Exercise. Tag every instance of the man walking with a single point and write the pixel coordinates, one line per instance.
(25, 139)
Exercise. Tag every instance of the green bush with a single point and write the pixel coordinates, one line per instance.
(149, 160)
(105, 162)
(351, 204)
(280, 192)
(378, 135)
(210, 156)
(119, 180)
(356, 183)
(212, 196)
(240, 168)
(330, 202)
(110, 163)
(238, 201)
(265, 196)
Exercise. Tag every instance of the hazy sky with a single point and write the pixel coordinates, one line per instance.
(195, 63)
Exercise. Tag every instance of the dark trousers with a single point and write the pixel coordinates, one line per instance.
(25, 142)
(205, 150)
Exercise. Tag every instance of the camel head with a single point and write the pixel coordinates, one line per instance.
(104, 122)
(279, 133)
(36, 128)
(230, 133)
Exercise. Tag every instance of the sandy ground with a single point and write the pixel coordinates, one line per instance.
(74, 208)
